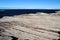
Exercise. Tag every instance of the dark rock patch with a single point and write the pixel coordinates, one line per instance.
(14, 38)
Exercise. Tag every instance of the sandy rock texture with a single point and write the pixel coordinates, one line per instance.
(39, 26)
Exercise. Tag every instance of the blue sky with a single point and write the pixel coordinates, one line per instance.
(29, 4)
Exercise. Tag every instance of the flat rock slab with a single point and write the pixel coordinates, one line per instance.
(30, 27)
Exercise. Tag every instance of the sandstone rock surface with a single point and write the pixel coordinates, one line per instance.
(30, 27)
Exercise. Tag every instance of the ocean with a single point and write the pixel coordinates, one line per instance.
(12, 12)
